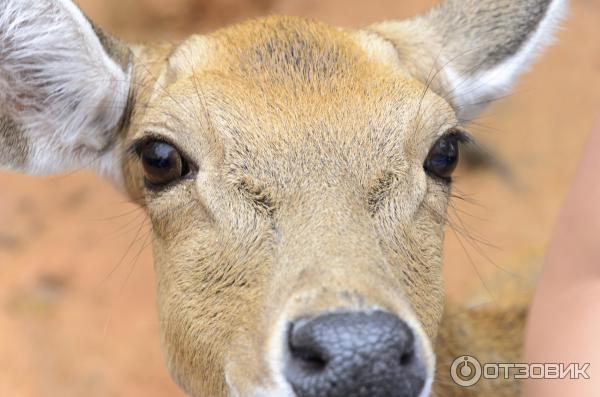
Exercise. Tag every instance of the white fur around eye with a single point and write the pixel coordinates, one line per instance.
(59, 85)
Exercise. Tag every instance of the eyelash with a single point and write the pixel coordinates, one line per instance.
(460, 135)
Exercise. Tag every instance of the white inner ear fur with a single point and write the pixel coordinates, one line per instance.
(58, 83)
(473, 93)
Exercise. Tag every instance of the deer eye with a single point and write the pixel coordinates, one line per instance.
(443, 157)
(162, 163)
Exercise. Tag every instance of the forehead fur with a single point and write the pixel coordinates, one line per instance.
(295, 49)
(291, 86)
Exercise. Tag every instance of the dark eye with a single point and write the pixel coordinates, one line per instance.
(163, 164)
(443, 157)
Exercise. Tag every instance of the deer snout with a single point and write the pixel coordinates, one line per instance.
(356, 354)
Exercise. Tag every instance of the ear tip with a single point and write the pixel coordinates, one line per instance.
(476, 83)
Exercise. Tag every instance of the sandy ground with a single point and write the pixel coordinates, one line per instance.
(77, 310)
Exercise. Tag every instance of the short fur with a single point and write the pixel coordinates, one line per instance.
(310, 194)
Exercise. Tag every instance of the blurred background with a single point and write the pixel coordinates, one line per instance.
(77, 313)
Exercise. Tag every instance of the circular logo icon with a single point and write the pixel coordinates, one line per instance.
(466, 371)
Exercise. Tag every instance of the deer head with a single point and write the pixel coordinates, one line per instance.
(296, 176)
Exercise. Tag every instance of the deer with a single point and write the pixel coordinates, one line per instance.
(296, 176)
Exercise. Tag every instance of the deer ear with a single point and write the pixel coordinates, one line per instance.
(472, 51)
(64, 89)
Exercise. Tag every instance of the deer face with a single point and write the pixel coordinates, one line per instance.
(303, 193)
(296, 176)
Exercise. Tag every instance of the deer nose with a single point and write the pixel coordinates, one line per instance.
(354, 354)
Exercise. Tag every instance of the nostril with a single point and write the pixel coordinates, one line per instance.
(306, 356)
(407, 358)
(308, 360)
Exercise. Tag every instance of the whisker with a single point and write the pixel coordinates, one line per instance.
(114, 269)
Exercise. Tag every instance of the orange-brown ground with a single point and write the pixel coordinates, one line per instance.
(76, 283)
